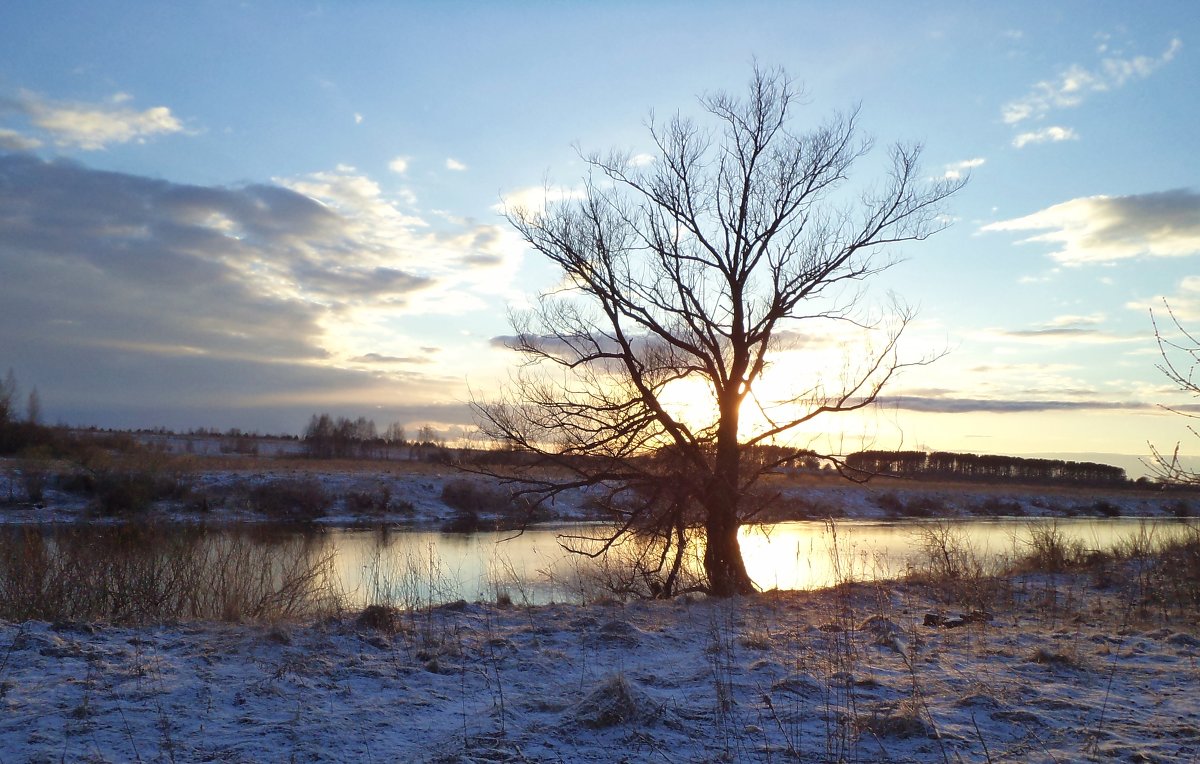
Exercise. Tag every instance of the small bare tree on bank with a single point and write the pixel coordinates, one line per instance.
(693, 267)
(1180, 364)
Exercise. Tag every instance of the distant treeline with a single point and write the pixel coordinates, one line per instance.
(919, 464)
(20, 432)
(345, 438)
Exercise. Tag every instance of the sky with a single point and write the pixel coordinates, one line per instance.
(238, 214)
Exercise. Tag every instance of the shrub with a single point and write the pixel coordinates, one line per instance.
(914, 506)
(1180, 509)
(463, 521)
(117, 491)
(34, 478)
(383, 618)
(952, 566)
(377, 502)
(1050, 550)
(1176, 574)
(291, 500)
(470, 496)
(1106, 508)
(994, 506)
(367, 502)
(890, 502)
(125, 484)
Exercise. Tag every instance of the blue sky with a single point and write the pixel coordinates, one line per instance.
(238, 214)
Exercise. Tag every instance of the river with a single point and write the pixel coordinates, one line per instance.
(415, 567)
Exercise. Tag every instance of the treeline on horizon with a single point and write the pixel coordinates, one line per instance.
(345, 438)
(328, 437)
(982, 467)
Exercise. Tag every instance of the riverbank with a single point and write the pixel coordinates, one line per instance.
(417, 494)
(1058, 669)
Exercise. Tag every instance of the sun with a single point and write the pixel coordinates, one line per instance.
(690, 401)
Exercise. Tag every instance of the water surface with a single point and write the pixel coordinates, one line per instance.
(414, 567)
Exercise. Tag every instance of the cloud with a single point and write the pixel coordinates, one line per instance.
(935, 405)
(1054, 334)
(955, 171)
(537, 198)
(454, 164)
(1074, 84)
(465, 259)
(1064, 331)
(159, 290)
(358, 118)
(399, 164)
(1075, 321)
(11, 140)
(377, 358)
(1102, 229)
(1185, 303)
(94, 126)
(578, 345)
(1052, 134)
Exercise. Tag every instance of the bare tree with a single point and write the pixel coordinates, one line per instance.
(33, 407)
(695, 267)
(1180, 364)
(8, 397)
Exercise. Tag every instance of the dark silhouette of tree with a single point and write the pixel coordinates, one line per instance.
(1180, 364)
(33, 408)
(691, 268)
(22, 433)
(342, 438)
(8, 397)
(980, 467)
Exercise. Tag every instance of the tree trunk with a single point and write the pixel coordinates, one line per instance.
(723, 562)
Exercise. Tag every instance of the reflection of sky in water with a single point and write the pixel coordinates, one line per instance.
(411, 568)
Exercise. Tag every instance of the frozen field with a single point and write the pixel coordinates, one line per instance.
(835, 675)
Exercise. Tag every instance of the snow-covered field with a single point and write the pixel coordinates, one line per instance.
(1061, 671)
(834, 675)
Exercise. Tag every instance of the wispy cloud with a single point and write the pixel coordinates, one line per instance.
(1052, 134)
(533, 198)
(1049, 334)
(1101, 229)
(378, 358)
(1053, 334)
(1011, 406)
(1076, 83)
(399, 164)
(454, 164)
(1185, 302)
(11, 140)
(955, 170)
(1075, 321)
(94, 126)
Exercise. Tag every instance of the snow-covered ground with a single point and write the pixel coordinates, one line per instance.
(834, 675)
(1060, 672)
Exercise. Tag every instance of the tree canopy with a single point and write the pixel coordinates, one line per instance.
(696, 268)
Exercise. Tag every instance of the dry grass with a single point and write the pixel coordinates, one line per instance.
(141, 574)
